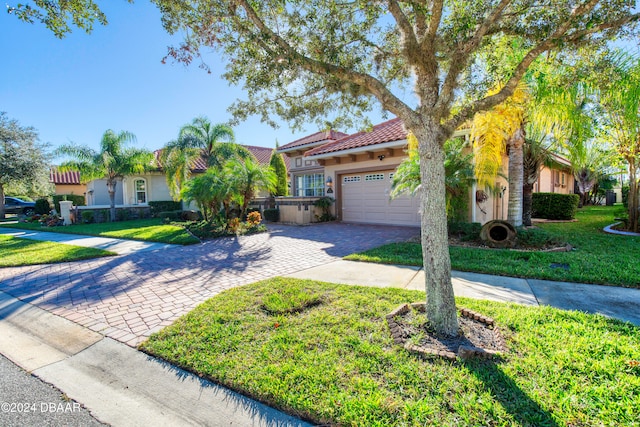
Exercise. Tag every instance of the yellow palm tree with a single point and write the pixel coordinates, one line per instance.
(492, 132)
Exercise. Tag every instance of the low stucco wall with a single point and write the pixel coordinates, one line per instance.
(294, 210)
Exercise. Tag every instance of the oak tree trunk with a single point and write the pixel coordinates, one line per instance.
(516, 177)
(441, 307)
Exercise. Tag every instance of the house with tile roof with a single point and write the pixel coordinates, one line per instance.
(356, 170)
(67, 182)
(140, 189)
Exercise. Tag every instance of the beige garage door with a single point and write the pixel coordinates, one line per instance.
(365, 199)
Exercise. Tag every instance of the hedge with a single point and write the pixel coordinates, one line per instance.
(164, 206)
(42, 206)
(272, 215)
(76, 199)
(554, 205)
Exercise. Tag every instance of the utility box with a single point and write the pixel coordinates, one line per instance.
(610, 198)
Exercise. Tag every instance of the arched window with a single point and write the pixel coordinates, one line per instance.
(140, 186)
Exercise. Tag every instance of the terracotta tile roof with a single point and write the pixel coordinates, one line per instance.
(69, 177)
(262, 155)
(328, 136)
(391, 130)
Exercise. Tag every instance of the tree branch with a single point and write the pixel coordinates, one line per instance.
(460, 58)
(388, 100)
(528, 59)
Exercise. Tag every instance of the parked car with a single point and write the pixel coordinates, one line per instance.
(18, 206)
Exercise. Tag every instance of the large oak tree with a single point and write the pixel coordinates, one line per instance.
(22, 157)
(304, 60)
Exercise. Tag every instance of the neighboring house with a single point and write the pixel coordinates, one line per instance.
(67, 182)
(140, 189)
(555, 179)
(357, 170)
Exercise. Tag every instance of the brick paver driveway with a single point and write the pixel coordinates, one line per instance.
(131, 296)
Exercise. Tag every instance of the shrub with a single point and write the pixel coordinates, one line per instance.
(233, 225)
(170, 215)
(101, 215)
(536, 238)
(254, 218)
(246, 216)
(50, 220)
(465, 231)
(87, 216)
(164, 206)
(190, 216)
(554, 205)
(123, 214)
(324, 203)
(272, 215)
(209, 230)
(42, 206)
(77, 200)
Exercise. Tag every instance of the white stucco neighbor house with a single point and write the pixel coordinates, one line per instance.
(139, 189)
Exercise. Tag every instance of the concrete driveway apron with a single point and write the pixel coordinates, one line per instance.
(129, 297)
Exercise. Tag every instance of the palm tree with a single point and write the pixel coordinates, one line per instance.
(210, 191)
(247, 178)
(500, 130)
(590, 160)
(198, 140)
(215, 141)
(535, 155)
(112, 162)
(178, 161)
(621, 103)
(459, 175)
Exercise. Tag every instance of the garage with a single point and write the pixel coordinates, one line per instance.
(365, 198)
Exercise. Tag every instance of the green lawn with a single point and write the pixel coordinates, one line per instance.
(15, 252)
(323, 352)
(598, 257)
(150, 230)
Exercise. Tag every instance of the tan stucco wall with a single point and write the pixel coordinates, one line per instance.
(77, 189)
(546, 182)
(495, 207)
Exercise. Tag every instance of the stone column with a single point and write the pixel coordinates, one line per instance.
(65, 211)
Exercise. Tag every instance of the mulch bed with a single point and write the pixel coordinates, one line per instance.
(478, 336)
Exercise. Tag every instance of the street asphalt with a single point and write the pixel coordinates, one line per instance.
(121, 386)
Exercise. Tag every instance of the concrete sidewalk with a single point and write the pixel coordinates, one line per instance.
(611, 301)
(116, 383)
(119, 246)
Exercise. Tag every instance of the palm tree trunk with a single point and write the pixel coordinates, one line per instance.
(516, 178)
(441, 306)
(527, 203)
(633, 196)
(111, 189)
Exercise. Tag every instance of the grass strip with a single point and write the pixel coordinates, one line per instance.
(333, 361)
(17, 252)
(148, 230)
(598, 257)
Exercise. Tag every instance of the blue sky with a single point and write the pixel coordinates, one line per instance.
(73, 89)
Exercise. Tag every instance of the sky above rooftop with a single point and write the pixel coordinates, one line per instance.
(73, 89)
